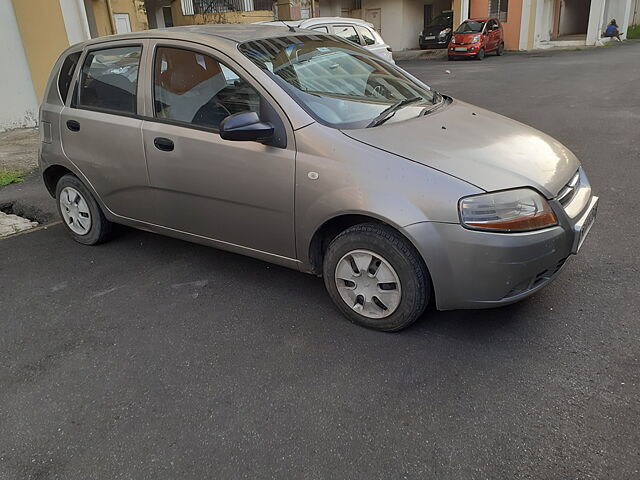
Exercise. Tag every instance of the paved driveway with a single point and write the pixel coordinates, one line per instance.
(152, 358)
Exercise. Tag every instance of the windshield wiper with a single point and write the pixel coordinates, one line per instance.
(435, 106)
(388, 112)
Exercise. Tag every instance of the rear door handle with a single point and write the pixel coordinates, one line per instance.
(73, 125)
(163, 144)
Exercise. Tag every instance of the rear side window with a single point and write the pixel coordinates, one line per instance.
(66, 74)
(348, 32)
(109, 79)
(321, 28)
(367, 36)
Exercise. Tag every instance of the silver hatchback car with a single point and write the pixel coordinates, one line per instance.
(305, 150)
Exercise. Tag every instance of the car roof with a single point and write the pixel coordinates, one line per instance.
(232, 33)
(319, 21)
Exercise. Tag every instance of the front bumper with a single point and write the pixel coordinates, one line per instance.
(434, 41)
(471, 50)
(475, 269)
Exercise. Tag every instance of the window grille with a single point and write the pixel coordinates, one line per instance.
(499, 9)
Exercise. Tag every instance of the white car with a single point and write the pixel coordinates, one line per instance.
(353, 29)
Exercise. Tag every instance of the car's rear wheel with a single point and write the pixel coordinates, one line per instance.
(80, 212)
(500, 50)
(480, 54)
(376, 277)
(451, 58)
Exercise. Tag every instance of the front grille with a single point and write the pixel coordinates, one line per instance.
(569, 190)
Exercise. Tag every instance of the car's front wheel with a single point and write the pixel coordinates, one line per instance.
(80, 212)
(480, 54)
(376, 277)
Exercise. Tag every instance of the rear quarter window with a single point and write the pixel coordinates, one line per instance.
(66, 74)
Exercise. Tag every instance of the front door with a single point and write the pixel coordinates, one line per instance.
(492, 33)
(100, 132)
(239, 193)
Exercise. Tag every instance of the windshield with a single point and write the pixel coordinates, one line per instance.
(442, 20)
(338, 83)
(470, 27)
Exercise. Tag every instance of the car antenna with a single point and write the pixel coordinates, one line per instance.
(290, 27)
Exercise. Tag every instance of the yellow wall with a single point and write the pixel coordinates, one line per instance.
(456, 6)
(101, 14)
(43, 35)
(134, 8)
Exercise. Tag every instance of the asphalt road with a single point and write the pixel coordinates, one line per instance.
(151, 358)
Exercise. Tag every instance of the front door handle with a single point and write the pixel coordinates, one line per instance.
(163, 144)
(73, 125)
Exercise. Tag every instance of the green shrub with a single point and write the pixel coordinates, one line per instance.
(634, 31)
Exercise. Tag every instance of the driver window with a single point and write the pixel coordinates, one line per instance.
(194, 88)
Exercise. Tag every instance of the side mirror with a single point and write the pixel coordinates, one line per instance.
(246, 127)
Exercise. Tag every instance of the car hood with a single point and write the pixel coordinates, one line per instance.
(480, 147)
(464, 37)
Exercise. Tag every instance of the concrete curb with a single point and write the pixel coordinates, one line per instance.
(434, 54)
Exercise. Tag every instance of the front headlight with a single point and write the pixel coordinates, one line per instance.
(517, 210)
(475, 39)
(444, 32)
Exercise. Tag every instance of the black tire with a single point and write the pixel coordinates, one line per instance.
(415, 283)
(500, 50)
(451, 58)
(101, 229)
(480, 54)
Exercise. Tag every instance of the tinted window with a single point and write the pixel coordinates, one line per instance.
(321, 28)
(367, 36)
(66, 74)
(109, 79)
(194, 88)
(348, 32)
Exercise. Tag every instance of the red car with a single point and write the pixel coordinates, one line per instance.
(476, 37)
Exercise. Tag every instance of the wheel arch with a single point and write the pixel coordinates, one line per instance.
(332, 227)
(52, 175)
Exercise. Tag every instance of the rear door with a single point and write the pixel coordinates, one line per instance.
(100, 128)
(238, 193)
